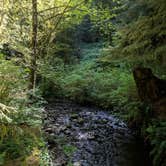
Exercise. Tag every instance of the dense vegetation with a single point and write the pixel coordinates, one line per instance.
(86, 52)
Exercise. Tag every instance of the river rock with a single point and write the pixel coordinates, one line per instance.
(100, 139)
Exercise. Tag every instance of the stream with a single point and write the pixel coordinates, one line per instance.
(98, 138)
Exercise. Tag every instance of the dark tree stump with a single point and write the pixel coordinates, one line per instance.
(151, 89)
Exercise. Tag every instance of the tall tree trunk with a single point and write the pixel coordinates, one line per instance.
(34, 45)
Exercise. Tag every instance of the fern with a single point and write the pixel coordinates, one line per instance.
(5, 113)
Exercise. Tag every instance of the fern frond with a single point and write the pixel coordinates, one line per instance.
(6, 112)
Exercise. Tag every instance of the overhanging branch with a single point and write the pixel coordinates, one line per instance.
(67, 9)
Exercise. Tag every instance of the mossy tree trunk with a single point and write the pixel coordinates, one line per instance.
(151, 90)
(33, 68)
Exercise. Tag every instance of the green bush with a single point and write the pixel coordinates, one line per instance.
(112, 88)
(12, 80)
(51, 76)
(90, 82)
(20, 129)
(156, 133)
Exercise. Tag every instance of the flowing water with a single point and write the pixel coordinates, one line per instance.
(100, 138)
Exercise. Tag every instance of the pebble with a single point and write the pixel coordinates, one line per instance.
(95, 134)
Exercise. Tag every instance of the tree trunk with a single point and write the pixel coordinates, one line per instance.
(151, 90)
(34, 46)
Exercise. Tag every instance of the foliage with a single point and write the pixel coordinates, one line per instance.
(69, 150)
(99, 87)
(19, 123)
(18, 141)
(51, 76)
(20, 133)
(156, 132)
(5, 112)
(90, 82)
(142, 41)
(12, 80)
(45, 159)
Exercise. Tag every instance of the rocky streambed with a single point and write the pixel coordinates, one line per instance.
(82, 136)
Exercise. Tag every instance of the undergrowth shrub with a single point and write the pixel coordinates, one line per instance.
(50, 83)
(17, 141)
(20, 117)
(110, 88)
(156, 134)
(90, 82)
(20, 130)
(76, 85)
(12, 80)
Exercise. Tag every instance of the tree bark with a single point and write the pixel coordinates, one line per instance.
(33, 68)
(151, 90)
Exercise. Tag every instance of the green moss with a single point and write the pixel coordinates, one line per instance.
(69, 150)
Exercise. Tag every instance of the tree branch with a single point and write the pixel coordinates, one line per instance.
(55, 7)
(65, 11)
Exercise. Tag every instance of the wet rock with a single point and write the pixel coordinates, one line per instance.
(77, 164)
(80, 120)
(74, 116)
(48, 130)
(101, 139)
